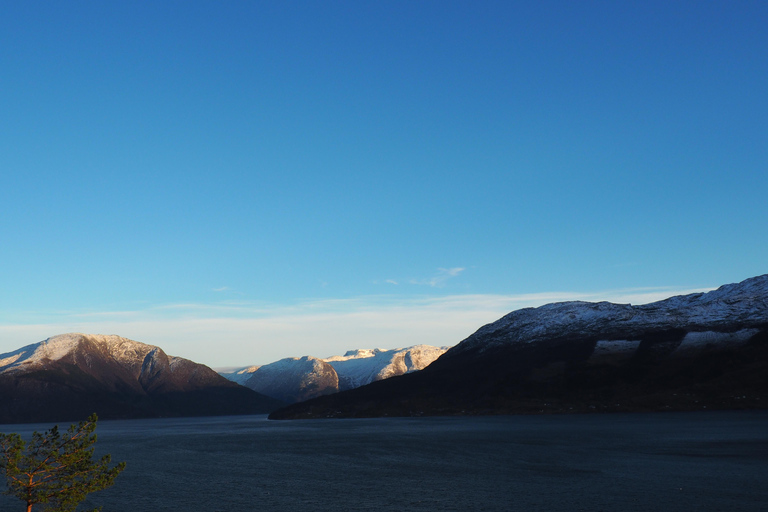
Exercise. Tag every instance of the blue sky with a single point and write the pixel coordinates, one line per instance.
(243, 181)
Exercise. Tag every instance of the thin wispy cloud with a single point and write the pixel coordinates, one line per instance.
(242, 333)
(439, 280)
(391, 281)
(221, 289)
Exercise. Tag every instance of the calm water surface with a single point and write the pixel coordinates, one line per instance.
(715, 461)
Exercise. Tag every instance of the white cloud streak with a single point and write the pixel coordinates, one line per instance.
(438, 281)
(244, 333)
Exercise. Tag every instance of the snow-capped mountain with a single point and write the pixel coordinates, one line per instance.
(120, 359)
(294, 379)
(360, 367)
(704, 350)
(300, 378)
(72, 375)
(731, 313)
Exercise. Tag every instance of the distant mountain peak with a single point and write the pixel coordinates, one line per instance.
(363, 366)
(295, 379)
(357, 353)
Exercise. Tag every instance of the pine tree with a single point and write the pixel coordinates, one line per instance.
(55, 470)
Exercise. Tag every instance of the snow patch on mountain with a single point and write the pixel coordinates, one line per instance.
(12, 357)
(613, 350)
(697, 341)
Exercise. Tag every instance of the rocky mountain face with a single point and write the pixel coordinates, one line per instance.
(70, 376)
(692, 352)
(297, 379)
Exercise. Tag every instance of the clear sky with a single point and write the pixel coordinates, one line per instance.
(239, 182)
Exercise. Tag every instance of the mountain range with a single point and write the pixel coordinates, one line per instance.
(68, 377)
(691, 352)
(296, 379)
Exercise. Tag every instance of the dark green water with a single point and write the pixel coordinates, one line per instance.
(715, 461)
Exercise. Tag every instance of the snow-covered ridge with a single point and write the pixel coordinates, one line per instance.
(122, 350)
(357, 354)
(359, 367)
(727, 309)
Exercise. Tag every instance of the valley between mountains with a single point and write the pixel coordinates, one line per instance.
(693, 352)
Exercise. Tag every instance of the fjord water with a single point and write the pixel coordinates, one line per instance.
(630, 462)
